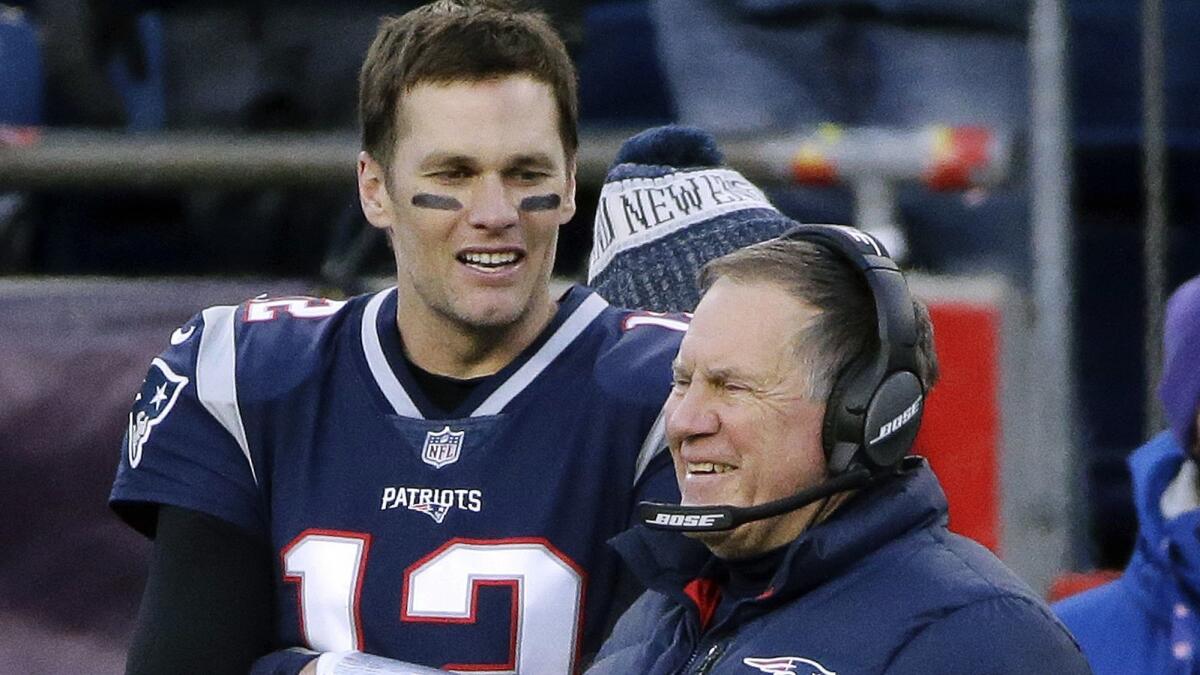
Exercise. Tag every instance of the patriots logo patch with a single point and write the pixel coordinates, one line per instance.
(151, 406)
(781, 665)
(432, 509)
(442, 447)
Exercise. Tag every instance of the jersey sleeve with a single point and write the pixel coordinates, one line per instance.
(636, 369)
(185, 444)
(657, 482)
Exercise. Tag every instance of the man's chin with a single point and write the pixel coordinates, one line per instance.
(713, 540)
(498, 314)
(495, 310)
(497, 320)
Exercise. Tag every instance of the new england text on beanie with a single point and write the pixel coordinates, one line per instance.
(666, 208)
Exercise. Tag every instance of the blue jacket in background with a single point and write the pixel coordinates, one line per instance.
(881, 587)
(1145, 622)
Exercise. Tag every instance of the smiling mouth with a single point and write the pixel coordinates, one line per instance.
(708, 468)
(490, 261)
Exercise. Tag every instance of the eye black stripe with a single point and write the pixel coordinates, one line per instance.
(540, 202)
(425, 200)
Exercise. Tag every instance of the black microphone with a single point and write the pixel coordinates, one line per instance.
(680, 518)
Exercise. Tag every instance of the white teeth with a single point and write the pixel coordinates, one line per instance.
(707, 467)
(490, 259)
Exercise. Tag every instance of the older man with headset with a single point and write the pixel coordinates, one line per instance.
(807, 540)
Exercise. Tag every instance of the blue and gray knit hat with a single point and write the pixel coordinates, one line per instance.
(1180, 385)
(668, 207)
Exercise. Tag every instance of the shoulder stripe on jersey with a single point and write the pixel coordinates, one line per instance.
(575, 324)
(655, 441)
(384, 377)
(216, 379)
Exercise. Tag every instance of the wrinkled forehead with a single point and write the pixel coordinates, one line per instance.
(745, 326)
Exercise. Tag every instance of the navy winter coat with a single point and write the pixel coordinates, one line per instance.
(880, 587)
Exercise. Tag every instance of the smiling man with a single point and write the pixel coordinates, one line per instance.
(479, 183)
(424, 476)
(813, 544)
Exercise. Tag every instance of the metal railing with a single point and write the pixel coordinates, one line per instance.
(945, 157)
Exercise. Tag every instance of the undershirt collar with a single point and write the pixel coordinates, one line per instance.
(445, 392)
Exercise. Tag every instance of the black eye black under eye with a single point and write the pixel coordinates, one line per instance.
(425, 200)
(540, 202)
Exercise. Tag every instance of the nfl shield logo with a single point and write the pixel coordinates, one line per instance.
(442, 447)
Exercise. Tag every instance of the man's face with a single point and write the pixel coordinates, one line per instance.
(739, 424)
(478, 187)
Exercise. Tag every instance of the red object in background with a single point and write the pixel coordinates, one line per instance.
(1070, 583)
(960, 431)
(814, 169)
(19, 137)
(961, 153)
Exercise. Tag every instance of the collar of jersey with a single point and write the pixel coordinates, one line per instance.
(577, 308)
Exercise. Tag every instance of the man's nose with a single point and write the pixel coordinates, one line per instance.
(690, 414)
(492, 204)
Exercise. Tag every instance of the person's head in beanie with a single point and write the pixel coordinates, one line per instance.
(1180, 386)
(668, 207)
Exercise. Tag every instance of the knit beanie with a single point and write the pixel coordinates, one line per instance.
(1180, 385)
(666, 208)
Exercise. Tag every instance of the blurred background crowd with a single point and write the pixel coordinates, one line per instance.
(917, 119)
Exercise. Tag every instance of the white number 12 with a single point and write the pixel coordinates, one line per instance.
(547, 589)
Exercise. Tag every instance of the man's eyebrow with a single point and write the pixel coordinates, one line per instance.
(443, 159)
(537, 159)
(720, 374)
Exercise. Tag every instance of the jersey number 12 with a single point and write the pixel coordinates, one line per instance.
(547, 590)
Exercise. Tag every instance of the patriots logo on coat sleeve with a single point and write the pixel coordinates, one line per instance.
(151, 406)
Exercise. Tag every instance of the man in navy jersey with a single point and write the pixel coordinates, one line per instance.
(426, 475)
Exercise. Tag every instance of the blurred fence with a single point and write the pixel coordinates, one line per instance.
(943, 157)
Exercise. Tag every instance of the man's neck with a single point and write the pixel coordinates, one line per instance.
(749, 577)
(443, 346)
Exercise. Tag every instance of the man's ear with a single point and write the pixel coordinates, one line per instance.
(373, 192)
(568, 197)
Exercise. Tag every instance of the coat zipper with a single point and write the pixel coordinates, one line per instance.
(710, 659)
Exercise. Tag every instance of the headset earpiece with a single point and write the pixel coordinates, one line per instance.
(874, 407)
(837, 437)
(893, 419)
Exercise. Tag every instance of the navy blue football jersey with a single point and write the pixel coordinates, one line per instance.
(472, 539)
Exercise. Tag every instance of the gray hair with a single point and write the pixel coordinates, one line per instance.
(845, 324)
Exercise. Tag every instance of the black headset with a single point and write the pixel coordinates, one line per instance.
(873, 410)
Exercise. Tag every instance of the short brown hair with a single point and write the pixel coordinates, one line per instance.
(460, 41)
(845, 325)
